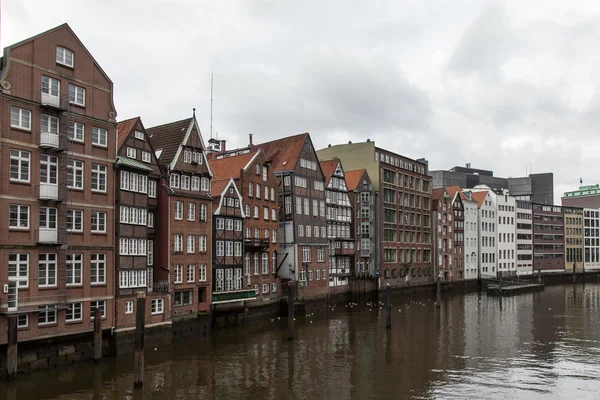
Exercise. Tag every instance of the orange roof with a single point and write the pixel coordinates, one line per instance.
(229, 167)
(437, 194)
(217, 187)
(124, 128)
(328, 167)
(284, 153)
(479, 197)
(353, 178)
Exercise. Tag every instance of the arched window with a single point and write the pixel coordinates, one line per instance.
(255, 263)
(265, 263)
(394, 273)
(419, 273)
(386, 273)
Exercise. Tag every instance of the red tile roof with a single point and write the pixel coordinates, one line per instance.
(168, 137)
(437, 194)
(353, 178)
(124, 128)
(229, 167)
(284, 153)
(479, 197)
(328, 167)
(217, 187)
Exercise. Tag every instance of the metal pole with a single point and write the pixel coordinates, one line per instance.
(439, 290)
(97, 334)
(574, 277)
(140, 317)
(11, 348)
(388, 307)
(500, 283)
(290, 334)
(539, 275)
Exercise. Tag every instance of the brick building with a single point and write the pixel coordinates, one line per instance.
(255, 179)
(339, 213)
(182, 254)
(360, 190)
(443, 235)
(136, 201)
(57, 132)
(301, 187)
(458, 212)
(402, 212)
(573, 218)
(548, 238)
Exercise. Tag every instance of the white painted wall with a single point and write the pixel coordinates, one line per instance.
(525, 240)
(471, 240)
(591, 239)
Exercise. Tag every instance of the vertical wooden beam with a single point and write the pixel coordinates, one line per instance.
(97, 334)
(140, 317)
(290, 333)
(11, 348)
(439, 290)
(388, 307)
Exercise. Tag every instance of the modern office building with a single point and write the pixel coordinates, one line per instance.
(537, 188)
(587, 196)
(573, 218)
(548, 238)
(591, 231)
(524, 231)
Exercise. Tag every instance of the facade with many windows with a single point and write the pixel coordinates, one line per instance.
(137, 182)
(443, 235)
(524, 231)
(486, 232)
(360, 191)
(573, 218)
(183, 251)
(470, 247)
(548, 238)
(58, 138)
(591, 231)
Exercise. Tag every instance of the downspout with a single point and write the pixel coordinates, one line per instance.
(377, 239)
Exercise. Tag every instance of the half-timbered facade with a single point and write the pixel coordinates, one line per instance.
(360, 191)
(443, 234)
(184, 226)
(137, 183)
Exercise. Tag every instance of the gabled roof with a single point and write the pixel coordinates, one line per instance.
(229, 167)
(124, 128)
(438, 194)
(129, 162)
(353, 178)
(218, 189)
(218, 186)
(284, 153)
(168, 138)
(328, 167)
(479, 197)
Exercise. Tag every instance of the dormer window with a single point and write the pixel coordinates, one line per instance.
(64, 56)
(139, 135)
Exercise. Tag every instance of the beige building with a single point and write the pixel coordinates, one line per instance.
(573, 219)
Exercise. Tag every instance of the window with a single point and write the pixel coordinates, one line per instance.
(47, 315)
(98, 269)
(74, 269)
(150, 251)
(73, 312)
(300, 230)
(264, 176)
(191, 273)
(306, 207)
(274, 263)
(47, 270)
(315, 204)
(179, 210)
(18, 269)
(139, 135)
(257, 191)
(191, 244)
(131, 152)
(274, 236)
(306, 254)
(174, 180)
(129, 307)
(202, 273)
(288, 205)
(238, 249)
(265, 263)
(76, 131)
(178, 273)
(101, 304)
(152, 189)
(183, 298)
(100, 138)
(266, 213)
(49, 124)
(196, 183)
(48, 169)
(20, 118)
(18, 216)
(185, 182)
(321, 255)
(191, 211)
(98, 222)
(75, 174)
(255, 212)
(257, 169)
(308, 231)
(146, 156)
(265, 288)
(150, 219)
(64, 56)
(229, 224)
(157, 306)
(272, 194)
(220, 248)
(77, 95)
(178, 243)
(22, 321)
(19, 165)
(75, 220)
(274, 287)
(220, 223)
(203, 212)
(229, 248)
(98, 178)
(205, 184)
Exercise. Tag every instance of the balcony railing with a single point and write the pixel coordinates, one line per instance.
(231, 296)
(249, 242)
(14, 304)
(50, 236)
(52, 140)
(161, 286)
(58, 101)
(365, 253)
(51, 192)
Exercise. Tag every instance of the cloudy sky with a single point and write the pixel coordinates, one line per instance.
(500, 84)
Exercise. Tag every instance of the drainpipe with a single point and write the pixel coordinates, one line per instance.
(377, 238)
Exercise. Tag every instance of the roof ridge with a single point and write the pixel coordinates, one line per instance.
(170, 123)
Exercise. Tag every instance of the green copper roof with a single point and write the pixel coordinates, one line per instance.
(584, 191)
(130, 162)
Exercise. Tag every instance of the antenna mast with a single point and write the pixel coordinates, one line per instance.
(211, 103)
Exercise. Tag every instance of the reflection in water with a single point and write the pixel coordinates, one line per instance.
(531, 346)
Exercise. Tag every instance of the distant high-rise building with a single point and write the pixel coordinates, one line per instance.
(587, 196)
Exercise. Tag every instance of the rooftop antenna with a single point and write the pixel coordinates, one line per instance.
(211, 103)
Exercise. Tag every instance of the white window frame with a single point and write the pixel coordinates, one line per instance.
(178, 212)
(101, 304)
(47, 311)
(99, 173)
(139, 135)
(74, 92)
(74, 263)
(20, 118)
(100, 225)
(157, 306)
(152, 189)
(146, 157)
(75, 216)
(100, 137)
(23, 162)
(45, 262)
(191, 244)
(129, 307)
(76, 131)
(20, 210)
(74, 309)
(75, 168)
(98, 269)
(202, 273)
(202, 241)
(131, 152)
(18, 269)
(63, 55)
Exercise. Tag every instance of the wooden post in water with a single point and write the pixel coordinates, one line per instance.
(539, 275)
(97, 334)
(11, 348)
(574, 277)
(500, 283)
(140, 316)
(290, 333)
(388, 307)
(438, 302)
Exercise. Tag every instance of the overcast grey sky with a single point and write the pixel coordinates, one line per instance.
(500, 84)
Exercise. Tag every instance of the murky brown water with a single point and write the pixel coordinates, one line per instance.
(538, 346)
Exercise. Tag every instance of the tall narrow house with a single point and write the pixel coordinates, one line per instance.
(360, 191)
(183, 242)
(138, 180)
(301, 188)
(443, 234)
(57, 141)
(339, 225)
(255, 179)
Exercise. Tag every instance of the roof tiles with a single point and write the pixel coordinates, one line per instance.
(168, 137)
(284, 153)
(124, 128)
(328, 167)
(229, 167)
(353, 178)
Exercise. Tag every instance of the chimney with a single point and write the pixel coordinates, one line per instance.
(468, 165)
(250, 140)
(223, 145)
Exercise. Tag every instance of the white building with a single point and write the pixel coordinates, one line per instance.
(591, 238)
(524, 238)
(486, 230)
(471, 251)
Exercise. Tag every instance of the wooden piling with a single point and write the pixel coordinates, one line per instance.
(574, 277)
(439, 291)
(388, 307)
(539, 275)
(139, 339)
(11, 348)
(97, 334)
(290, 332)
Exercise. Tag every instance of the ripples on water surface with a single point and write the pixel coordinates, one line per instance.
(537, 346)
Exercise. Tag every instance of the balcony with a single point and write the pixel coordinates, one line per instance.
(13, 303)
(50, 236)
(51, 192)
(55, 141)
(365, 253)
(256, 243)
(161, 286)
(233, 296)
(52, 101)
(344, 252)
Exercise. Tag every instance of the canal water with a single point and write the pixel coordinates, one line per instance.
(542, 345)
